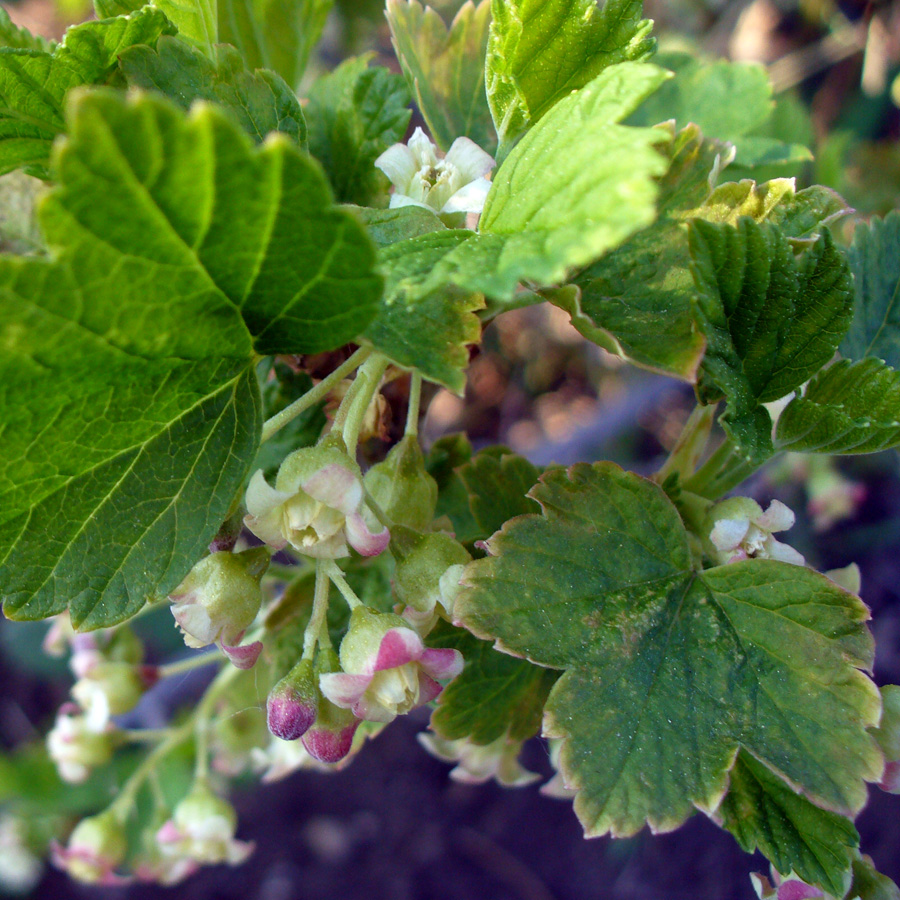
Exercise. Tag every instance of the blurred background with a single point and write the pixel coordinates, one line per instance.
(393, 825)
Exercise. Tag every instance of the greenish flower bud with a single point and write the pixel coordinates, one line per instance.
(95, 848)
(426, 580)
(402, 488)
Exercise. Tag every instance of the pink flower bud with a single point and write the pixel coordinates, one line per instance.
(293, 702)
(330, 738)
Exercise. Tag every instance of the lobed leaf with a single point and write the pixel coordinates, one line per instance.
(196, 21)
(539, 51)
(764, 813)
(261, 102)
(354, 114)
(444, 68)
(16, 38)
(875, 261)
(668, 671)
(274, 34)
(31, 118)
(851, 407)
(129, 405)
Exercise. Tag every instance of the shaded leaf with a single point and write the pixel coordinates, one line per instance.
(422, 329)
(668, 670)
(851, 407)
(875, 261)
(444, 458)
(21, 38)
(870, 884)
(31, 119)
(771, 321)
(498, 482)
(354, 114)
(389, 226)
(763, 812)
(495, 695)
(274, 34)
(129, 406)
(196, 21)
(260, 101)
(444, 68)
(539, 51)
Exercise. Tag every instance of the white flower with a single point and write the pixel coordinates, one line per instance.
(454, 184)
(201, 830)
(478, 763)
(20, 869)
(281, 758)
(315, 506)
(742, 530)
(77, 743)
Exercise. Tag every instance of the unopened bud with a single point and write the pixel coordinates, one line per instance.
(401, 486)
(330, 737)
(293, 702)
(95, 848)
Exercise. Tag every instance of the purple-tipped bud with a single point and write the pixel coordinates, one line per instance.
(293, 702)
(330, 737)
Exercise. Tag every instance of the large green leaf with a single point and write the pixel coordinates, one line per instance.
(426, 330)
(763, 812)
(574, 187)
(851, 407)
(771, 321)
(34, 83)
(668, 670)
(354, 114)
(274, 34)
(875, 260)
(539, 51)
(260, 101)
(495, 695)
(445, 68)
(129, 406)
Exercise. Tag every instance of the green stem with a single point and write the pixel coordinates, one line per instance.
(187, 665)
(711, 469)
(145, 736)
(337, 576)
(315, 394)
(124, 803)
(690, 444)
(203, 714)
(729, 479)
(369, 380)
(415, 401)
(314, 628)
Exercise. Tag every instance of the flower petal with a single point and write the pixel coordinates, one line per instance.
(342, 688)
(797, 890)
(442, 664)
(429, 689)
(398, 163)
(469, 159)
(777, 517)
(194, 620)
(398, 647)
(337, 487)
(728, 533)
(261, 496)
(267, 528)
(469, 198)
(783, 553)
(245, 656)
(423, 150)
(400, 200)
(364, 541)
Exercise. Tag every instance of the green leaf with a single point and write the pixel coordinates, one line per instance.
(129, 405)
(539, 51)
(390, 226)
(870, 884)
(21, 38)
(31, 119)
(425, 330)
(725, 100)
(643, 288)
(888, 732)
(354, 114)
(196, 21)
(444, 68)
(109, 9)
(771, 321)
(875, 260)
(498, 482)
(851, 407)
(755, 152)
(495, 695)
(274, 34)
(763, 812)
(19, 197)
(574, 187)
(668, 670)
(446, 455)
(260, 101)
